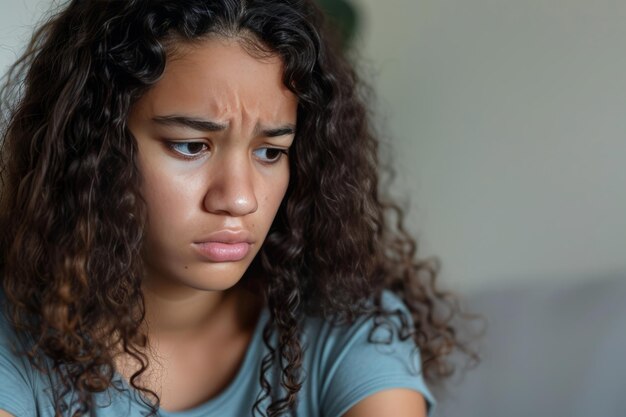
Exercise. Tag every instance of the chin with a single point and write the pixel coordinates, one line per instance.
(217, 277)
(206, 283)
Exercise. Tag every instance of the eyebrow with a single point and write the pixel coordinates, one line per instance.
(196, 124)
(210, 126)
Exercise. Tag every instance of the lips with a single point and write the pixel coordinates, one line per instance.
(225, 245)
(228, 236)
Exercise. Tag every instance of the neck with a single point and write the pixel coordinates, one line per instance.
(186, 313)
(182, 311)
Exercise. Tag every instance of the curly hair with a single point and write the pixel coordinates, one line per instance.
(73, 218)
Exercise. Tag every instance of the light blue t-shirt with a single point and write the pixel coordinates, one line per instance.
(340, 368)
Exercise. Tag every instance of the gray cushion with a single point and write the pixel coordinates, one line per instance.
(553, 350)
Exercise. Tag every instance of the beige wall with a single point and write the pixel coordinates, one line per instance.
(510, 124)
(509, 127)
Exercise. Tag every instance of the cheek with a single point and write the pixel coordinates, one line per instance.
(273, 192)
(277, 192)
(167, 201)
(155, 191)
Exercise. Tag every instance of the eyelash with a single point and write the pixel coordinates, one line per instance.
(281, 152)
(173, 147)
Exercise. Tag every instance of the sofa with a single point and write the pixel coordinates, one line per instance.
(549, 350)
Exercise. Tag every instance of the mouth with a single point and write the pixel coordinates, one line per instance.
(225, 245)
(223, 252)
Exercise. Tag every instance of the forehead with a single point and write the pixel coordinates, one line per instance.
(218, 75)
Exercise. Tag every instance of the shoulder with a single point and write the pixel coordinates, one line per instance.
(353, 362)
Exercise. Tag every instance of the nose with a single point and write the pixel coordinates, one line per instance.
(231, 188)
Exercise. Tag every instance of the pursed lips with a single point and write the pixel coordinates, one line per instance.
(228, 236)
(225, 245)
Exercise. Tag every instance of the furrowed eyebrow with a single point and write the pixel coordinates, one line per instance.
(210, 126)
(279, 131)
(196, 124)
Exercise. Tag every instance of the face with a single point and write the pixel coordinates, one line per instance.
(212, 137)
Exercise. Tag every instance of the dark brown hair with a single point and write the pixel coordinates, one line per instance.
(72, 217)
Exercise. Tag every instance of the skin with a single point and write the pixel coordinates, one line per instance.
(397, 402)
(229, 184)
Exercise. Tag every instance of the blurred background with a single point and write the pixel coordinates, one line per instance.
(506, 125)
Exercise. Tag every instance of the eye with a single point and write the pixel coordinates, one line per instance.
(188, 150)
(270, 155)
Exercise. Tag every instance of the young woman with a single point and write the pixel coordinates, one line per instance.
(192, 225)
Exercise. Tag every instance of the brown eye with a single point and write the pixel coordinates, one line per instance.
(270, 155)
(188, 150)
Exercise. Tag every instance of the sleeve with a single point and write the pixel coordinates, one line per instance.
(360, 368)
(16, 393)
